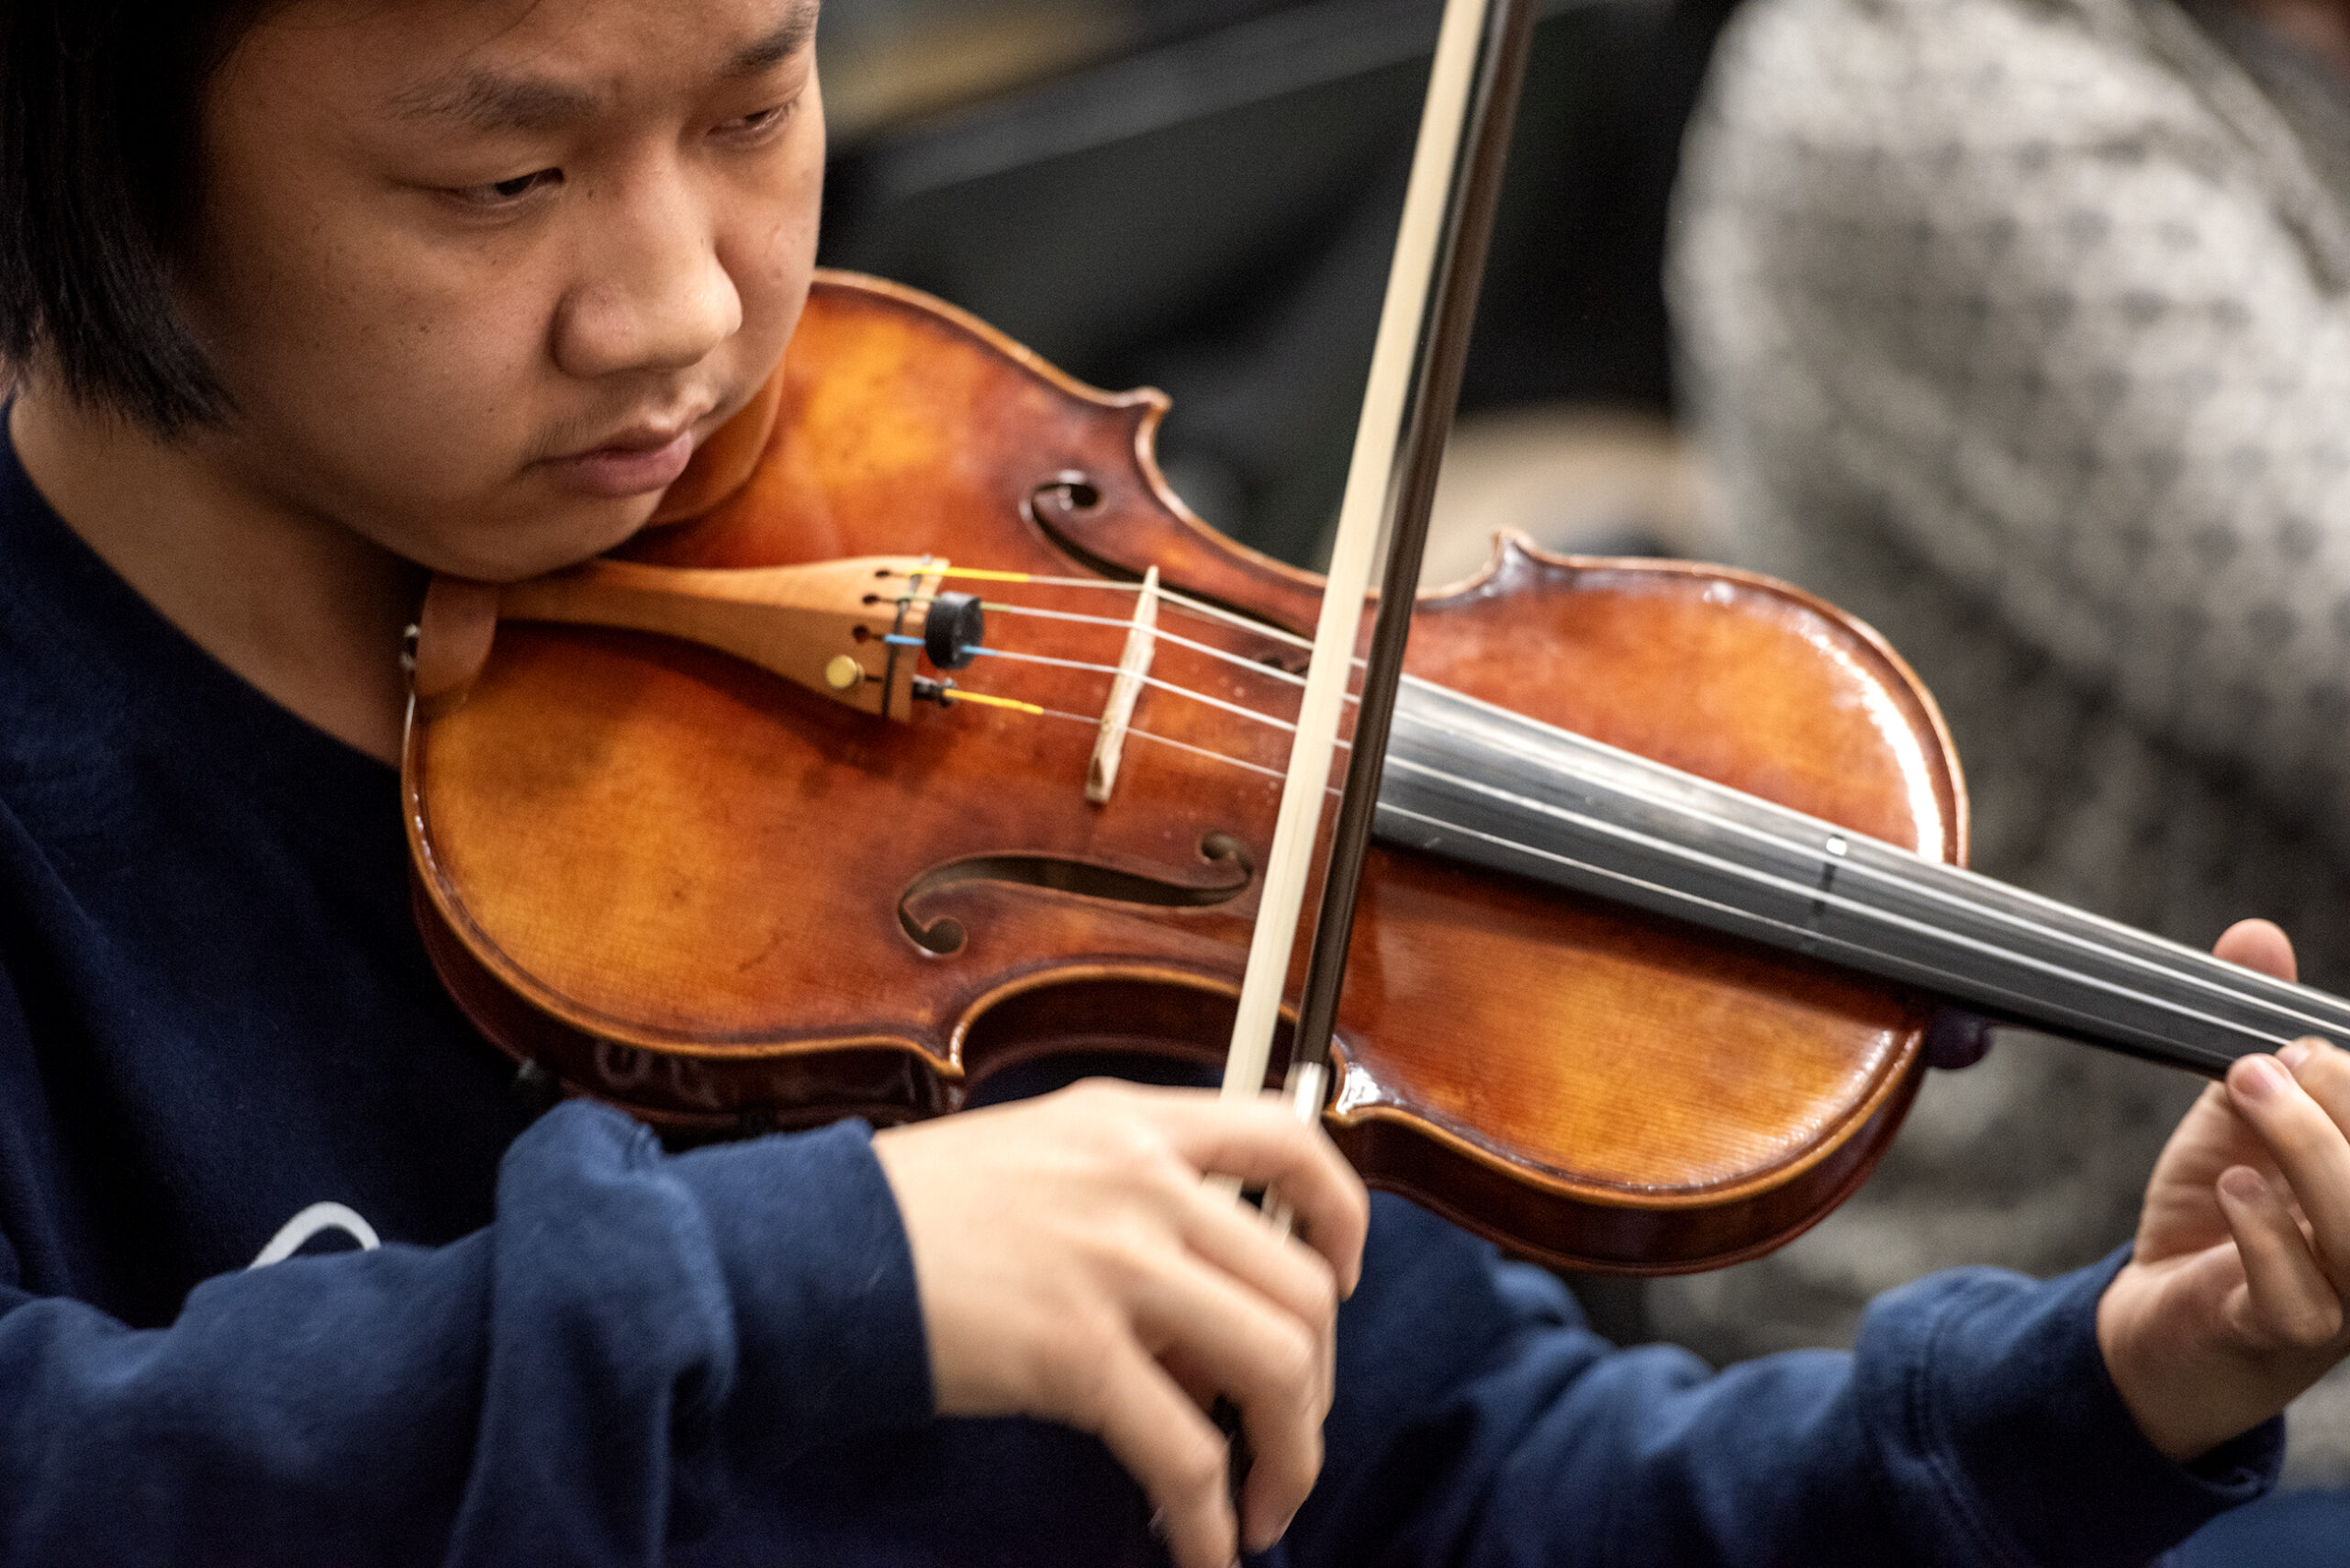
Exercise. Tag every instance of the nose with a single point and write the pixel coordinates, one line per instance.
(653, 294)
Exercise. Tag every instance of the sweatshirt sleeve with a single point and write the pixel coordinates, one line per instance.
(636, 1339)
(1973, 1424)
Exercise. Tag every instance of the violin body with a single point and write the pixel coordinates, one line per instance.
(714, 898)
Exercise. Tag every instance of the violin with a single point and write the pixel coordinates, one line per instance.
(931, 733)
(1665, 902)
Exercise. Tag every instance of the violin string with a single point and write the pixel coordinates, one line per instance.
(1182, 602)
(1138, 732)
(1864, 912)
(2246, 987)
(1105, 584)
(1032, 710)
(1797, 933)
(1011, 704)
(1235, 709)
(1629, 880)
(2198, 972)
(1242, 661)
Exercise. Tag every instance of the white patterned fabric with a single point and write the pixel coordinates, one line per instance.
(2020, 329)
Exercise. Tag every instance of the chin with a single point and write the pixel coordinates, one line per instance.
(521, 548)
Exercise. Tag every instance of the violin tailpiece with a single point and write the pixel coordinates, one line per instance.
(835, 628)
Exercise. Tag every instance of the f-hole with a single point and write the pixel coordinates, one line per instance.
(946, 935)
(1066, 495)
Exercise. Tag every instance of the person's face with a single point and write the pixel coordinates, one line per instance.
(478, 273)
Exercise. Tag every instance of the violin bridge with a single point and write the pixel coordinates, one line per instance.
(1118, 717)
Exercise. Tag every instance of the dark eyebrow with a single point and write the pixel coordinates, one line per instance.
(798, 27)
(485, 101)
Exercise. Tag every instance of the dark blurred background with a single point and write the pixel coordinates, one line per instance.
(1202, 195)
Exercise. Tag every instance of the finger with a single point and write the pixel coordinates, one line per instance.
(1261, 1143)
(2258, 945)
(1197, 1383)
(1236, 1240)
(1173, 1453)
(2288, 1300)
(1267, 1362)
(2310, 1150)
(2324, 1074)
(1308, 1296)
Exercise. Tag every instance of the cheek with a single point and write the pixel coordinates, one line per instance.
(770, 255)
(390, 348)
(462, 366)
(400, 393)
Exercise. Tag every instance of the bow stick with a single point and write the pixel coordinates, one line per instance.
(1407, 410)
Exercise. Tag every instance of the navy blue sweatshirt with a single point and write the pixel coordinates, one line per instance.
(572, 1347)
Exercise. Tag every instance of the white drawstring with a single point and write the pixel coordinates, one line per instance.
(309, 1223)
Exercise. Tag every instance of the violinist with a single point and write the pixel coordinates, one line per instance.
(307, 299)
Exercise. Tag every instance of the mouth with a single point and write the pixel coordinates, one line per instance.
(639, 460)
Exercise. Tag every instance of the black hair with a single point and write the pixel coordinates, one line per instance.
(99, 131)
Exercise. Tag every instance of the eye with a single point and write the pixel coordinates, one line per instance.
(756, 126)
(507, 193)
